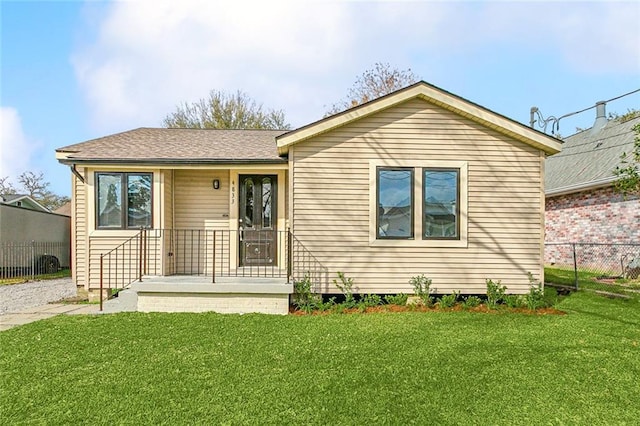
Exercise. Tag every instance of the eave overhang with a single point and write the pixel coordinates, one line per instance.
(433, 95)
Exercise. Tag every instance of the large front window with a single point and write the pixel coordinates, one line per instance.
(123, 200)
(395, 202)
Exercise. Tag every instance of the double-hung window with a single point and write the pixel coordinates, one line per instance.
(123, 200)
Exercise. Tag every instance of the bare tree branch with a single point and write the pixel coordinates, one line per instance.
(374, 83)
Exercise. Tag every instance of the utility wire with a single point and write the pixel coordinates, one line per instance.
(555, 122)
(593, 106)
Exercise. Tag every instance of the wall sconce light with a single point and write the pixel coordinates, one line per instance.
(216, 184)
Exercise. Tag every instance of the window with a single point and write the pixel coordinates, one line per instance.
(395, 203)
(123, 200)
(440, 209)
(418, 203)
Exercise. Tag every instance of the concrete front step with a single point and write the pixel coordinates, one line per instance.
(237, 295)
(127, 301)
(198, 294)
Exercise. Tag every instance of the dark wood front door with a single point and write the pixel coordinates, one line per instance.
(257, 231)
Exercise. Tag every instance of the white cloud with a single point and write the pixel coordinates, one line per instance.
(15, 148)
(148, 56)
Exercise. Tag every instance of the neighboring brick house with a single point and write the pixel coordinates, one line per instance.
(581, 204)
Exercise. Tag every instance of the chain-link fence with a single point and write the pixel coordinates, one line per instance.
(612, 268)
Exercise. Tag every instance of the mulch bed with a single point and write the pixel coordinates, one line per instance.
(421, 308)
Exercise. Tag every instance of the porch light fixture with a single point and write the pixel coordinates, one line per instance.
(216, 184)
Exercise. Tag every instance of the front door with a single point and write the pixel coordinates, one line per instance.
(257, 231)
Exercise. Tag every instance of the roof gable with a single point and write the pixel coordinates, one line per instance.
(431, 94)
(24, 201)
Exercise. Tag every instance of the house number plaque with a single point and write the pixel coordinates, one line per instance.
(233, 192)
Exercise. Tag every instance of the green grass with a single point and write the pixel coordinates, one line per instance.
(403, 368)
(566, 276)
(586, 280)
(63, 273)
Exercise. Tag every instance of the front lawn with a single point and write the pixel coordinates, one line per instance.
(386, 368)
(588, 280)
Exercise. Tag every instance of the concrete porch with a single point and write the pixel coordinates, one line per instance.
(184, 293)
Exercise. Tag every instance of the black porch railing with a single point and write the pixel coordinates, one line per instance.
(209, 253)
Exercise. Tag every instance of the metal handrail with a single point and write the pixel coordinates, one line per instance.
(138, 239)
(206, 252)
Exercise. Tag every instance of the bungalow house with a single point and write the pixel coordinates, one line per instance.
(419, 181)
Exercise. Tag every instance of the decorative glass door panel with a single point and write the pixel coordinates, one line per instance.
(257, 231)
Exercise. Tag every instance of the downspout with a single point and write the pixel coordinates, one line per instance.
(76, 173)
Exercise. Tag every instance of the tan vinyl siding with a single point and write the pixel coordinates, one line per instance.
(200, 207)
(79, 231)
(331, 201)
(197, 204)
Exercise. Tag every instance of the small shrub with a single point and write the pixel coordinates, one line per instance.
(303, 298)
(370, 300)
(338, 308)
(471, 302)
(514, 301)
(495, 293)
(399, 299)
(449, 300)
(346, 287)
(326, 306)
(535, 298)
(422, 288)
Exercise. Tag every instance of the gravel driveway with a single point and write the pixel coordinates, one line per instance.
(17, 297)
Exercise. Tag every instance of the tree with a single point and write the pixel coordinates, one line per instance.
(6, 187)
(628, 172)
(226, 111)
(374, 83)
(35, 186)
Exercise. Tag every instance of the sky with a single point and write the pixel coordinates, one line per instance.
(71, 71)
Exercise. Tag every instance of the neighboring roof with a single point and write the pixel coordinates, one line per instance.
(26, 201)
(8, 198)
(431, 94)
(149, 145)
(64, 209)
(589, 158)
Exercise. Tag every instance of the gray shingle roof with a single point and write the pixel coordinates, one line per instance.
(150, 145)
(589, 159)
(7, 198)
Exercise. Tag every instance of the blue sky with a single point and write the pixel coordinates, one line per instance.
(73, 71)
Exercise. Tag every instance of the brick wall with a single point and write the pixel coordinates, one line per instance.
(596, 216)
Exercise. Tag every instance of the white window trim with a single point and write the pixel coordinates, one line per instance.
(418, 195)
